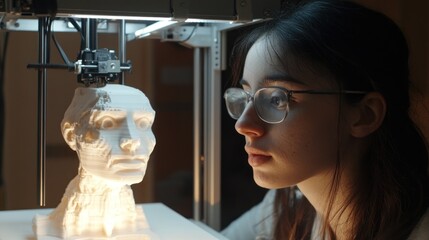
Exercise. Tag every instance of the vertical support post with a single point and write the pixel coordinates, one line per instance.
(89, 28)
(197, 134)
(41, 113)
(122, 48)
(212, 100)
(93, 40)
(207, 131)
(86, 30)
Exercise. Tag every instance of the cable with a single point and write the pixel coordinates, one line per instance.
(62, 53)
(60, 50)
(82, 37)
(190, 35)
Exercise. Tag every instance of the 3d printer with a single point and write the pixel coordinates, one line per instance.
(196, 23)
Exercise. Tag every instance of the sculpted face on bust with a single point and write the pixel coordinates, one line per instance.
(110, 129)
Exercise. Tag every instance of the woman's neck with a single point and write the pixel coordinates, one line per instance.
(329, 192)
(336, 211)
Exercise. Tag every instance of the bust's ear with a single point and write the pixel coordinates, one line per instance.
(69, 135)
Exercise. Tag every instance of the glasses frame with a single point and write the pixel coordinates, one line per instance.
(289, 93)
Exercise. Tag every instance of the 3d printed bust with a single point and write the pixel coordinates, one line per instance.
(110, 130)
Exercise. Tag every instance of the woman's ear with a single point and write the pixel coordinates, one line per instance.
(68, 131)
(369, 115)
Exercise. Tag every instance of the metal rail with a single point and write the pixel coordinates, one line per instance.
(41, 114)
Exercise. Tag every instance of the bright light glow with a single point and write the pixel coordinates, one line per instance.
(118, 17)
(197, 20)
(153, 27)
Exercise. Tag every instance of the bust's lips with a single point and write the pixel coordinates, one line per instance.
(134, 163)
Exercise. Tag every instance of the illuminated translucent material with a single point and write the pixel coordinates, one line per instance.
(110, 129)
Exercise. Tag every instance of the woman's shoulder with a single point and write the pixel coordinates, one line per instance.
(256, 223)
(421, 231)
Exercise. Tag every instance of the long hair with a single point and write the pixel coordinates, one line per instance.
(364, 51)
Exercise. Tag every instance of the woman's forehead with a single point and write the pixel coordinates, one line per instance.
(266, 58)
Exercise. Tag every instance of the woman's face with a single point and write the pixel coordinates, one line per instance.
(305, 145)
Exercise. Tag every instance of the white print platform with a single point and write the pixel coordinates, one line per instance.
(163, 221)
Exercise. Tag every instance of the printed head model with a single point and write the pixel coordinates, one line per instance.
(110, 130)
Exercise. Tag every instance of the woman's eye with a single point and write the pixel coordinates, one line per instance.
(106, 123)
(144, 123)
(278, 101)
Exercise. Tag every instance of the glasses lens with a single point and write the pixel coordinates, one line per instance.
(236, 101)
(271, 104)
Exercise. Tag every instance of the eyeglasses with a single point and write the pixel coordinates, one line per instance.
(271, 103)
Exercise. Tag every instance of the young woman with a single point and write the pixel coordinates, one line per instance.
(323, 106)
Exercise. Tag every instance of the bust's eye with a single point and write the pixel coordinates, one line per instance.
(106, 122)
(144, 123)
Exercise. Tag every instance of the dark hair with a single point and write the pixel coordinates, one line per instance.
(366, 51)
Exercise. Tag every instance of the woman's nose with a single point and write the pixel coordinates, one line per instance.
(249, 123)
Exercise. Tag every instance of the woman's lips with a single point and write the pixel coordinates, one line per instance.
(256, 160)
(256, 157)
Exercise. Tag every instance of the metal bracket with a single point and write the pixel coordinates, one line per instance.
(196, 36)
(193, 36)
